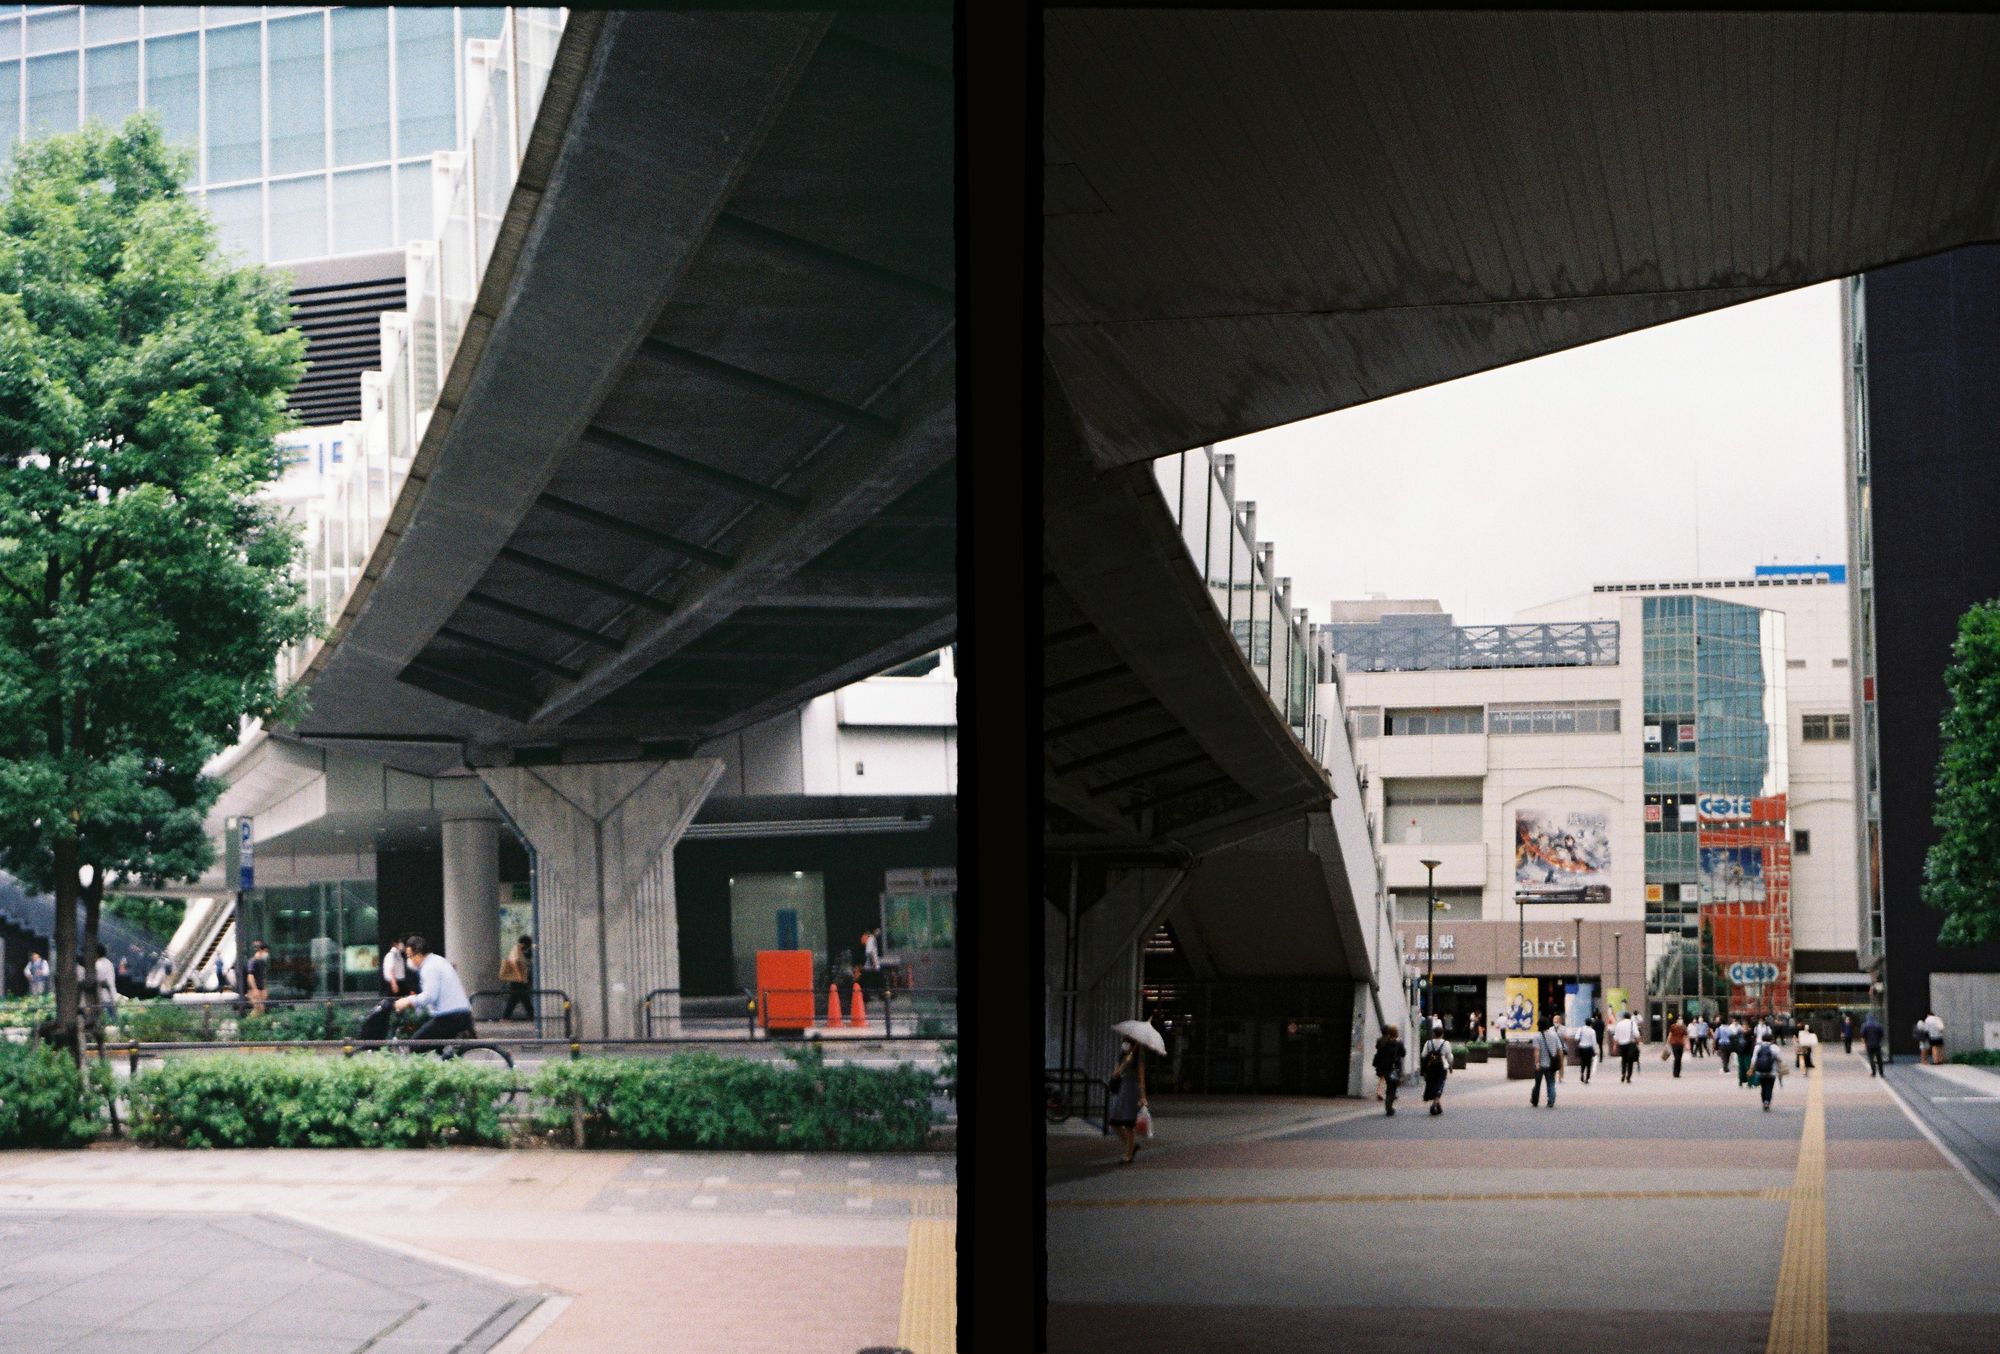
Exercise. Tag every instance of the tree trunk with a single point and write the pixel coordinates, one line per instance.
(65, 945)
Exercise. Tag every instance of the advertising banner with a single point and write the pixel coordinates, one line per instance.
(1616, 999)
(1520, 1015)
(1577, 1002)
(1732, 874)
(1562, 853)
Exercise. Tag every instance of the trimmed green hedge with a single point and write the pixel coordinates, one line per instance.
(1979, 1057)
(45, 1101)
(704, 1100)
(305, 1100)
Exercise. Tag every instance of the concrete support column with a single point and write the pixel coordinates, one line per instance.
(471, 939)
(603, 834)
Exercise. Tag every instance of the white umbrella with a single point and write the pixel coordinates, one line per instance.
(1143, 1033)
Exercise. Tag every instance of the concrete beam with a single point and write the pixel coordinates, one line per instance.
(858, 478)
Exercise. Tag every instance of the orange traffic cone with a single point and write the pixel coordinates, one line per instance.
(833, 1005)
(858, 1017)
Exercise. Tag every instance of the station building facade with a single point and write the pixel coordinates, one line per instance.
(1642, 795)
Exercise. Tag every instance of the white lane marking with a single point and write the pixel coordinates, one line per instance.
(702, 1201)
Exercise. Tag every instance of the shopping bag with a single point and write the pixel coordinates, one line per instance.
(1144, 1126)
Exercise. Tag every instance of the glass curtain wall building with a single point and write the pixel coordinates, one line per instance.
(313, 127)
(1718, 855)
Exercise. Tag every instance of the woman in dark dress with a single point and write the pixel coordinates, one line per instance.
(1389, 1052)
(1434, 1060)
(1128, 1096)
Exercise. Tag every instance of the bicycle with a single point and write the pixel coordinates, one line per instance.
(1055, 1107)
(451, 1049)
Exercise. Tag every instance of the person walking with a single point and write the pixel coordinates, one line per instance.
(1128, 1096)
(1596, 1023)
(1808, 1041)
(1935, 1023)
(1725, 1043)
(1625, 1038)
(514, 972)
(1765, 1062)
(1923, 1033)
(257, 978)
(1677, 1040)
(1434, 1061)
(1698, 1036)
(1548, 1062)
(1873, 1036)
(395, 971)
(1389, 1054)
(1586, 1051)
(107, 984)
(38, 975)
(1847, 1032)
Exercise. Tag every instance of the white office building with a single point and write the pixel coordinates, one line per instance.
(1642, 794)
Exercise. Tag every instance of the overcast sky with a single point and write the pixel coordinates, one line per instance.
(1532, 482)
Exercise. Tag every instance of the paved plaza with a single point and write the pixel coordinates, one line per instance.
(1665, 1214)
(468, 1251)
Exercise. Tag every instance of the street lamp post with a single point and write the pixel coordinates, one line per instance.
(1430, 945)
(1617, 963)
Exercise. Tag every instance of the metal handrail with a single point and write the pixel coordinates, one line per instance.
(534, 993)
(741, 994)
(1064, 1079)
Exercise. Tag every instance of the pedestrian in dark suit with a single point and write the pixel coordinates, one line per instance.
(1872, 1038)
(1389, 1054)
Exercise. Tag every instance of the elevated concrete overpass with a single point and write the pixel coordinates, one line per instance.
(672, 446)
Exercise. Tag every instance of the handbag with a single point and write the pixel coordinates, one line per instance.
(1114, 1081)
(1664, 1055)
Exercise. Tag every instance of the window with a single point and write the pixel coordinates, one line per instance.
(173, 85)
(1825, 728)
(1801, 841)
(426, 120)
(298, 219)
(1367, 721)
(235, 105)
(298, 95)
(363, 211)
(1435, 721)
(1840, 662)
(239, 220)
(111, 83)
(1555, 717)
(413, 198)
(1431, 811)
(52, 32)
(1795, 662)
(110, 23)
(51, 94)
(360, 86)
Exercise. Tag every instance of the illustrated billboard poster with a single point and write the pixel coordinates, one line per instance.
(1616, 999)
(1732, 874)
(1578, 1002)
(1558, 852)
(1519, 1014)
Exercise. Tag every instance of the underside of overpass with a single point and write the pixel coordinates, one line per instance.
(694, 463)
(1253, 218)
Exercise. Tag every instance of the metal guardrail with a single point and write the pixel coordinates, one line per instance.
(1073, 1089)
(537, 1006)
(675, 1003)
(921, 1006)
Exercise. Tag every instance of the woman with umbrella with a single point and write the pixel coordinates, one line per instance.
(1128, 1081)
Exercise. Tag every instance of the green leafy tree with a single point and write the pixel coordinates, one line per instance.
(1962, 871)
(145, 589)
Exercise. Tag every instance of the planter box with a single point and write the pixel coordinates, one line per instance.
(1458, 1062)
(1475, 1053)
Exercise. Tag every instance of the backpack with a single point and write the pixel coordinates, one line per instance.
(1433, 1057)
(1766, 1058)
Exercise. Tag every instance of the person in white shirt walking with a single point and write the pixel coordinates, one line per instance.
(1625, 1038)
(1802, 1055)
(1586, 1051)
(395, 971)
(1935, 1024)
(442, 994)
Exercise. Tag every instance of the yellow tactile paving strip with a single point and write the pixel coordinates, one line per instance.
(1798, 1316)
(930, 1289)
(1775, 1194)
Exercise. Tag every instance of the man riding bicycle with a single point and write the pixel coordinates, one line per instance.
(442, 995)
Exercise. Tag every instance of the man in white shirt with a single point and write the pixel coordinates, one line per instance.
(442, 995)
(107, 983)
(395, 973)
(1625, 1038)
(1548, 1062)
(1698, 1034)
(1586, 1051)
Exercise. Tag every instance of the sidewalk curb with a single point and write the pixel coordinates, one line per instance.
(1979, 1187)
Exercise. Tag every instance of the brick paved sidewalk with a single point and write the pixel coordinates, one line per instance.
(693, 1252)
